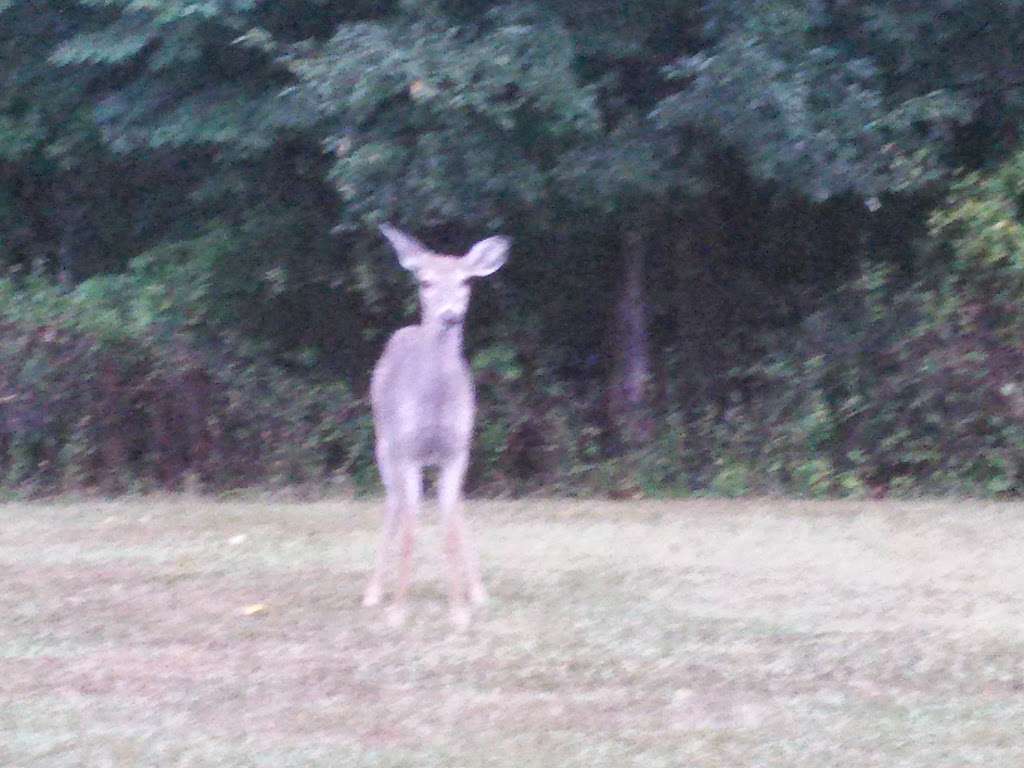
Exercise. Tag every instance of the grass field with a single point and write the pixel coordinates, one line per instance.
(186, 632)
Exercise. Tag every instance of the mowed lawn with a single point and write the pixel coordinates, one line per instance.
(191, 632)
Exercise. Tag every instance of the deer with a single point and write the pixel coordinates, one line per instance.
(423, 403)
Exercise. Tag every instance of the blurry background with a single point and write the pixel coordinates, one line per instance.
(760, 246)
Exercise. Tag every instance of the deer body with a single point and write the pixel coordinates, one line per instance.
(422, 390)
(422, 398)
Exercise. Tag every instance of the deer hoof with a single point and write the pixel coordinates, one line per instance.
(371, 598)
(460, 617)
(396, 615)
(477, 594)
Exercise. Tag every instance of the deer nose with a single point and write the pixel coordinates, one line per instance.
(450, 317)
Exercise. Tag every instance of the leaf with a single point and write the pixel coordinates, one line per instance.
(109, 46)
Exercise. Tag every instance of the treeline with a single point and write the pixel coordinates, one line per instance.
(758, 246)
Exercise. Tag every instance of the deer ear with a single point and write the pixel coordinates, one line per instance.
(486, 257)
(410, 250)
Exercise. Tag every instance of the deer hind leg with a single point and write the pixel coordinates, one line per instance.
(463, 568)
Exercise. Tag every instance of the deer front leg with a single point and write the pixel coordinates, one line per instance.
(410, 482)
(385, 549)
(477, 591)
(463, 570)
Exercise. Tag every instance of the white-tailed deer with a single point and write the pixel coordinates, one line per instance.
(423, 406)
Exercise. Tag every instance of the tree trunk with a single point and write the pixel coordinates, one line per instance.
(70, 218)
(628, 393)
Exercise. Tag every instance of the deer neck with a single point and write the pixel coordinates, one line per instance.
(444, 342)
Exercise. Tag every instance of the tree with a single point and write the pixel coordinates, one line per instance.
(516, 113)
(691, 185)
(193, 98)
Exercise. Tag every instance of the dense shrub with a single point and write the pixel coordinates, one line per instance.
(905, 381)
(901, 380)
(109, 386)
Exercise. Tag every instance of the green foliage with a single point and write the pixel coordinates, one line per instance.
(809, 111)
(829, 310)
(18, 135)
(983, 225)
(107, 386)
(439, 121)
(731, 480)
